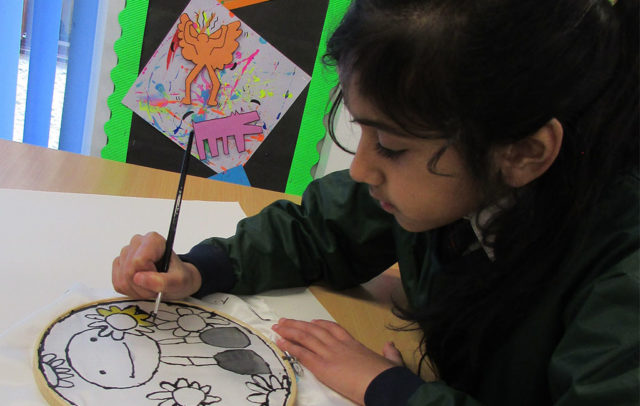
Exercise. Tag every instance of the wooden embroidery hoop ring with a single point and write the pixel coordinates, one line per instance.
(55, 400)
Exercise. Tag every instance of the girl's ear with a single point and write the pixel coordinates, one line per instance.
(522, 162)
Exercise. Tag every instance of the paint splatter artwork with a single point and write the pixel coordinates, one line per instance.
(212, 73)
(112, 353)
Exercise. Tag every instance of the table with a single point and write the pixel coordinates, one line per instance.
(364, 311)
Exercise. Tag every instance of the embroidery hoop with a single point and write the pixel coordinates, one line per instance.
(54, 398)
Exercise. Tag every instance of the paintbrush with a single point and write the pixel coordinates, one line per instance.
(168, 248)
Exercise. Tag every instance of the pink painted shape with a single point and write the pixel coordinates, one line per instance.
(236, 125)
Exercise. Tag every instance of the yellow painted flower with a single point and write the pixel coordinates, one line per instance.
(116, 322)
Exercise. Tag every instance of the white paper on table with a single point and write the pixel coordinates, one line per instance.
(49, 241)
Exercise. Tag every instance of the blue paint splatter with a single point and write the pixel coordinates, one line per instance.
(262, 40)
(160, 88)
(195, 118)
(205, 94)
(156, 124)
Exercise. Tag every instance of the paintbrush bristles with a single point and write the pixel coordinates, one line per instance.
(156, 307)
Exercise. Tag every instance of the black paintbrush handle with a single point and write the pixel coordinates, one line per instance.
(168, 248)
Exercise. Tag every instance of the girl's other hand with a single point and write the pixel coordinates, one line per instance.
(134, 271)
(332, 355)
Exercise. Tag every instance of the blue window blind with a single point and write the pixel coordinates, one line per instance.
(79, 69)
(42, 70)
(43, 29)
(10, 34)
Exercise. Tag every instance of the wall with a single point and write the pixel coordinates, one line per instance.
(332, 158)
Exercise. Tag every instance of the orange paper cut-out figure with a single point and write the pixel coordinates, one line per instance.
(211, 51)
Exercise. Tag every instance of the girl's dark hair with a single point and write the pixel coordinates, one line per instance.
(487, 74)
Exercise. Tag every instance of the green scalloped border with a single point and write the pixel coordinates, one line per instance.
(128, 49)
(312, 129)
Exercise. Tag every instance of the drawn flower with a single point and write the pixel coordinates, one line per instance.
(272, 392)
(117, 322)
(57, 376)
(183, 393)
(189, 322)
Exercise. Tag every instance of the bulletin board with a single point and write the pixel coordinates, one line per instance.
(297, 30)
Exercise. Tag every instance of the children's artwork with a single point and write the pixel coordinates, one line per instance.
(214, 74)
(113, 353)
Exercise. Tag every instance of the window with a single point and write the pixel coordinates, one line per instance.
(50, 71)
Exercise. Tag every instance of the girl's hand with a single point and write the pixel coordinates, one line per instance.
(134, 272)
(332, 355)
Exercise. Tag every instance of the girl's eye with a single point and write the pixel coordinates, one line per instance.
(388, 153)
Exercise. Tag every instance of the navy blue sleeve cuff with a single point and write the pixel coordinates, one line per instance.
(393, 386)
(214, 266)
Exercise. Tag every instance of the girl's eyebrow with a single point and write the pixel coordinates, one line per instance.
(378, 124)
(395, 130)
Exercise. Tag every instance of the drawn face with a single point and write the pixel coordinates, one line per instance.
(100, 360)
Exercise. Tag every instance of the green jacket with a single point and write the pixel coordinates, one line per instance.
(577, 347)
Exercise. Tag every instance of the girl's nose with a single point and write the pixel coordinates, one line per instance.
(365, 167)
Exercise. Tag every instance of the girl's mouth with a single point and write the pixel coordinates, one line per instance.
(386, 206)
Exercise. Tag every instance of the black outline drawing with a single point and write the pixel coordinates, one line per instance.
(239, 361)
(184, 337)
(272, 392)
(200, 320)
(52, 367)
(180, 391)
(139, 370)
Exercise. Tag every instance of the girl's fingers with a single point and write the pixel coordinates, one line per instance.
(149, 250)
(302, 354)
(343, 364)
(303, 334)
(334, 328)
(390, 352)
(149, 282)
(135, 260)
(324, 332)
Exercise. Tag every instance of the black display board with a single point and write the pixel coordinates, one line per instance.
(293, 27)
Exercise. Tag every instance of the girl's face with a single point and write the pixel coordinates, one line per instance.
(395, 166)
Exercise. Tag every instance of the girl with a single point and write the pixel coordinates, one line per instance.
(498, 166)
